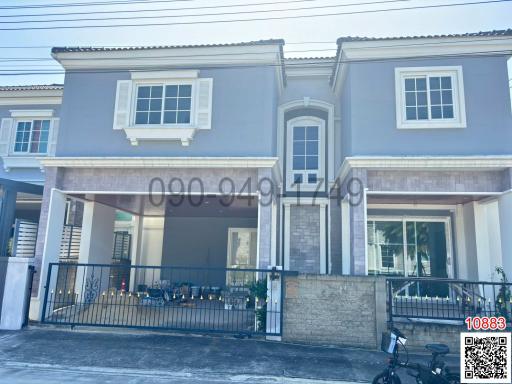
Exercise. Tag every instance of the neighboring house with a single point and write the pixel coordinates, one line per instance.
(29, 128)
(394, 157)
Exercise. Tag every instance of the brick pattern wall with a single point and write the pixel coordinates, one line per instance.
(138, 180)
(305, 238)
(334, 310)
(441, 181)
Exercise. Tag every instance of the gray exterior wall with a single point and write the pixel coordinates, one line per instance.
(368, 111)
(317, 87)
(31, 175)
(243, 117)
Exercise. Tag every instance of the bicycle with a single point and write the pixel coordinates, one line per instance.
(436, 372)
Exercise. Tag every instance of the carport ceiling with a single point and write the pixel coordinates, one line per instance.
(425, 199)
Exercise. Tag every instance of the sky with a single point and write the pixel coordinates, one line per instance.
(310, 36)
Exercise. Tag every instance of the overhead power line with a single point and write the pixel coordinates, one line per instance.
(317, 63)
(117, 11)
(90, 4)
(53, 27)
(206, 14)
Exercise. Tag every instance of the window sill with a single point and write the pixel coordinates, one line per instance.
(16, 161)
(160, 133)
(431, 125)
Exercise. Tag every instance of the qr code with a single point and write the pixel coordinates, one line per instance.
(485, 357)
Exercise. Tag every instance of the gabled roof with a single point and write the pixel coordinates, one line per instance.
(355, 48)
(493, 33)
(140, 57)
(34, 87)
(138, 48)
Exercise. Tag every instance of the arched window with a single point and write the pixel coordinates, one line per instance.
(305, 153)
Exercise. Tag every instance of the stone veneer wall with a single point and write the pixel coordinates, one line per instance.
(335, 256)
(351, 311)
(437, 181)
(335, 310)
(420, 334)
(305, 238)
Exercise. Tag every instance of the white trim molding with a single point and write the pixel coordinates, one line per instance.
(425, 163)
(10, 162)
(307, 102)
(457, 95)
(31, 97)
(163, 75)
(23, 113)
(160, 162)
(424, 47)
(319, 172)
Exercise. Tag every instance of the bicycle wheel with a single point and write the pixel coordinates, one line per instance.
(385, 378)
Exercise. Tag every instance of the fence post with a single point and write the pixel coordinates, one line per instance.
(31, 273)
(389, 284)
(46, 288)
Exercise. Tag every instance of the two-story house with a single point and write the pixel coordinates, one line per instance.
(394, 157)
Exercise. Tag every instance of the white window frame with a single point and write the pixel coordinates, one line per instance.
(459, 107)
(30, 120)
(433, 219)
(151, 82)
(231, 230)
(305, 186)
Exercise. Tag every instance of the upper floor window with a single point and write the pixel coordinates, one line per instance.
(163, 104)
(167, 105)
(305, 152)
(32, 136)
(430, 97)
(27, 135)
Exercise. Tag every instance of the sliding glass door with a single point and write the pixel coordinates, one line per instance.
(408, 246)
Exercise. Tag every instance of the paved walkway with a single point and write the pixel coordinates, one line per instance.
(41, 355)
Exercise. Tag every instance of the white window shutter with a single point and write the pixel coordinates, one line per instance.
(52, 142)
(5, 136)
(204, 103)
(123, 103)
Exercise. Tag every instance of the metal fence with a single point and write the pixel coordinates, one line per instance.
(447, 299)
(238, 301)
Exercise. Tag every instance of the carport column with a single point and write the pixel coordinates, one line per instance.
(356, 190)
(505, 211)
(136, 251)
(265, 206)
(96, 244)
(52, 234)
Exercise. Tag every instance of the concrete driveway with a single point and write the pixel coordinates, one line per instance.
(42, 355)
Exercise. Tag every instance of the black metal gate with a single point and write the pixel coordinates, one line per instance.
(241, 301)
